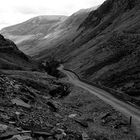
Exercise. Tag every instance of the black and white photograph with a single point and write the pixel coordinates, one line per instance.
(70, 70)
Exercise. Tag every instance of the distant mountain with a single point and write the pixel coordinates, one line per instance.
(28, 33)
(39, 33)
(11, 58)
(104, 47)
(107, 49)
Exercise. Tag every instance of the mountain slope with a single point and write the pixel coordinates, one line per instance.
(101, 45)
(38, 34)
(27, 34)
(40, 24)
(34, 105)
(12, 58)
(109, 53)
(106, 46)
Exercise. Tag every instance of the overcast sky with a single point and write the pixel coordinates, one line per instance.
(15, 11)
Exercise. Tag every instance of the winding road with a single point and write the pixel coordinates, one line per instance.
(124, 108)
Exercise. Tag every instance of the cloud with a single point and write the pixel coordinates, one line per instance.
(3, 22)
(26, 10)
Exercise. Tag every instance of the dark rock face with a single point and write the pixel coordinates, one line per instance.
(1, 37)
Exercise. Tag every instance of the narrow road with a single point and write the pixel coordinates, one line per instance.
(124, 108)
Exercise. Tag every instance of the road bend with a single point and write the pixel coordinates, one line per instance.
(125, 108)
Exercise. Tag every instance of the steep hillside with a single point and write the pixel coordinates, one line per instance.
(12, 58)
(106, 46)
(29, 110)
(110, 54)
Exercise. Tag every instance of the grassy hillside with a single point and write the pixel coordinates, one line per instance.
(29, 110)
(12, 58)
(40, 24)
(38, 34)
(105, 47)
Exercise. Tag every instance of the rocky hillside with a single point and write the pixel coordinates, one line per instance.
(37, 106)
(12, 58)
(37, 25)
